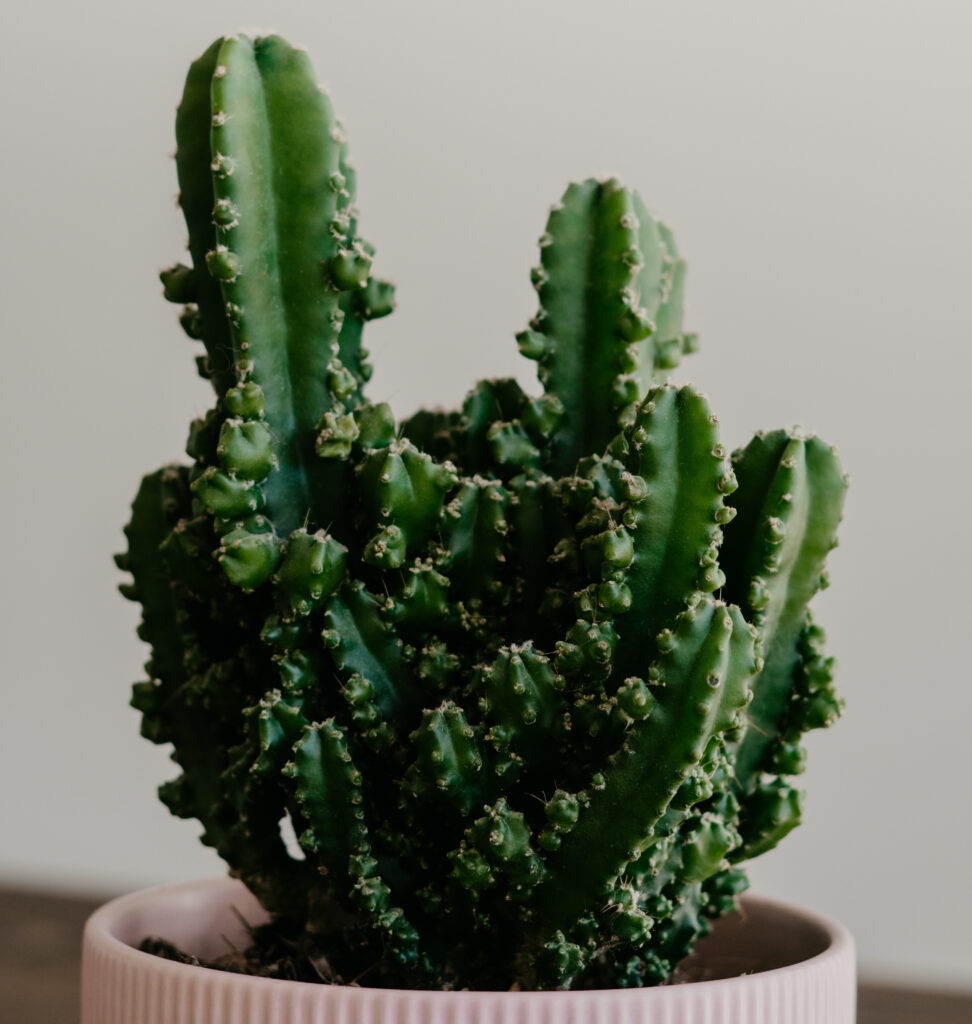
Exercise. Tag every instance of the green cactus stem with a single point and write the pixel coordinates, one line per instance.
(267, 196)
(609, 279)
(696, 691)
(790, 502)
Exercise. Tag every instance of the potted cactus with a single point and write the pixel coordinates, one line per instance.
(528, 680)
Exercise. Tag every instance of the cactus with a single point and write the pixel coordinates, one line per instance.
(527, 680)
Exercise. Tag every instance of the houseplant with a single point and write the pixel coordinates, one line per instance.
(528, 679)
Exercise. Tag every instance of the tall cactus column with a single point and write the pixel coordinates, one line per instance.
(271, 222)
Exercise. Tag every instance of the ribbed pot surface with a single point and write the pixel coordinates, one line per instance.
(804, 968)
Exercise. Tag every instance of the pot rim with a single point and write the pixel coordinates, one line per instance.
(101, 941)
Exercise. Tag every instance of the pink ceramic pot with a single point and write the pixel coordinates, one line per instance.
(801, 970)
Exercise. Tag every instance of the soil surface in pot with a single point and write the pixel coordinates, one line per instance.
(273, 952)
(742, 943)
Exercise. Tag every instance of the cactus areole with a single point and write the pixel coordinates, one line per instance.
(527, 680)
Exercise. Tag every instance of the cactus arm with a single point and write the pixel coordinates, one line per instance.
(403, 489)
(328, 790)
(701, 684)
(449, 756)
(286, 331)
(274, 241)
(501, 842)
(773, 807)
(215, 786)
(474, 526)
(259, 858)
(770, 812)
(790, 501)
(581, 290)
(161, 500)
(604, 497)
(361, 643)
(162, 497)
(674, 446)
(685, 915)
(330, 795)
(680, 878)
(523, 696)
(606, 275)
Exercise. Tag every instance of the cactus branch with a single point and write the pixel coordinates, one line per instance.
(790, 502)
(609, 277)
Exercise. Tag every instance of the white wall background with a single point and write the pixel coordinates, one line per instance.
(815, 161)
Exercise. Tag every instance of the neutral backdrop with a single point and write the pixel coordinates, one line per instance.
(815, 162)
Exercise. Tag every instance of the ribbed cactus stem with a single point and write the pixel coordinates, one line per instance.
(698, 687)
(269, 214)
(790, 502)
(673, 446)
(609, 278)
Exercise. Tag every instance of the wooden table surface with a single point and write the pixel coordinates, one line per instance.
(40, 954)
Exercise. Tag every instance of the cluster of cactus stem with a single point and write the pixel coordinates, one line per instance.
(527, 680)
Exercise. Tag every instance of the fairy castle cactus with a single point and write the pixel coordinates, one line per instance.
(528, 679)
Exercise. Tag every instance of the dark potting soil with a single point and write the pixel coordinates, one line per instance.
(272, 953)
(279, 951)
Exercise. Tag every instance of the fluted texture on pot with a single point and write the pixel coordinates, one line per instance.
(123, 986)
(528, 680)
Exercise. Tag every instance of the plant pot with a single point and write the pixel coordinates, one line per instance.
(769, 964)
